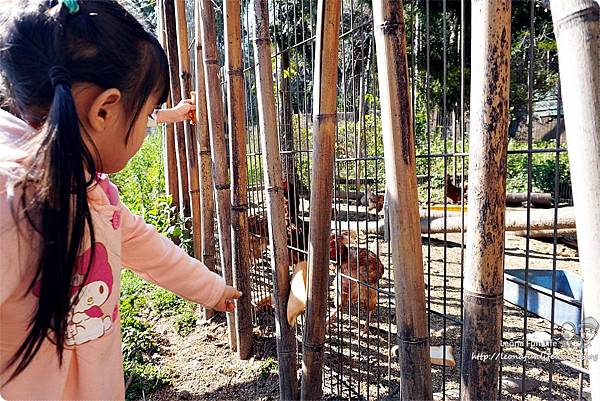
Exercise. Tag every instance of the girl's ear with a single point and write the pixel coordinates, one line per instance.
(105, 109)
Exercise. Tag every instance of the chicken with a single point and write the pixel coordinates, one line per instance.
(452, 191)
(298, 295)
(297, 229)
(258, 228)
(257, 245)
(364, 267)
(373, 200)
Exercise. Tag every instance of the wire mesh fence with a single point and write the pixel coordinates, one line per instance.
(544, 351)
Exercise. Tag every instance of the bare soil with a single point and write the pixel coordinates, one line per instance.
(360, 366)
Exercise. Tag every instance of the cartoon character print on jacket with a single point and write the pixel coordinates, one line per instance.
(86, 320)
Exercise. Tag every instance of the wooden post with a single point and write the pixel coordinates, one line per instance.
(172, 183)
(577, 30)
(172, 46)
(185, 79)
(239, 174)
(488, 142)
(207, 206)
(286, 341)
(324, 129)
(401, 183)
(214, 107)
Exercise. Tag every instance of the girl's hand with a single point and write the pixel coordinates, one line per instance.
(226, 303)
(181, 112)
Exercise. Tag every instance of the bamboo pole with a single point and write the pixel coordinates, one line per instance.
(401, 183)
(191, 145)
(324, 130)
(207, 206)
(286, 341)
(214, 107)
(577, 30)
(239, 174)
(488, 142)
(173, 54)
(170, 157)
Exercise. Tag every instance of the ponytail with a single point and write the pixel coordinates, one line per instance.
(63, 160)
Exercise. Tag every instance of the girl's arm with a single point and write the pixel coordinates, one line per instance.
(156, 259)
(181, 112)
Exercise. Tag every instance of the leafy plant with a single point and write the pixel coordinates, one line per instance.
(267, 367)
(187, 321)
(142, 187)
(543, 168)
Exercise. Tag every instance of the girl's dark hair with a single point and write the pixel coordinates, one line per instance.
(43, 48)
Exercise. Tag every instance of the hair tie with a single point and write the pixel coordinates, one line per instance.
(72, 5)
(59, 75)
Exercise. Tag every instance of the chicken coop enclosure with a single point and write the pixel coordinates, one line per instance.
(545, 335)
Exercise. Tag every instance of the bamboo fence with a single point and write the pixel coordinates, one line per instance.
(401, 183)
(238, 171)
(191, 146)
(286, 341)
(577, 30)
(172, 182)
(324, 132)
(170, 25)
(214, 107)
(488, 141)
(207, 204)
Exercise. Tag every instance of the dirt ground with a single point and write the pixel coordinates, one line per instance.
(364, 367)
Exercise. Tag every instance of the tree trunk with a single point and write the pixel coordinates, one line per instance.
(324, 130)
(168, 130)
(172, 48)
(401, 184)
(239, 175)
(488, 142)
(207, 206)
(214, 106)
(189, 131)
(577, 30)
(286, 341)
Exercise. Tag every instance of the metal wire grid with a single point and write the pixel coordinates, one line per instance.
(360, 366)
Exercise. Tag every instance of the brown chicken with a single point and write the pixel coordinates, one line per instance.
(373, 200)
(364, 267)
(452, 191)
(297, 229)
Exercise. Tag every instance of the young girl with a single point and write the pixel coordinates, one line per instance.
(80, 80)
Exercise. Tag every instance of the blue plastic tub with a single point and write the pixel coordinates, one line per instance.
(567, 305)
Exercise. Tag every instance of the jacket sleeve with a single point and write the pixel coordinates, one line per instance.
(156, 259)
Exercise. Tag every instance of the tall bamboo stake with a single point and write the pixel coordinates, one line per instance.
(488, 141)
(401, 184)
(173, 54)
(239, 174)
(189, 132)
(214, 106)
(577, 30)
(324, 129)
(207, 206)
(170, 157)
(286, 341)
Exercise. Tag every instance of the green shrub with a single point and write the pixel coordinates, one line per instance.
(543, 168)
(142, 188)
(187, 320)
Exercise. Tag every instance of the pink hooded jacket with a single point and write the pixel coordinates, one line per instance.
(92, 366)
